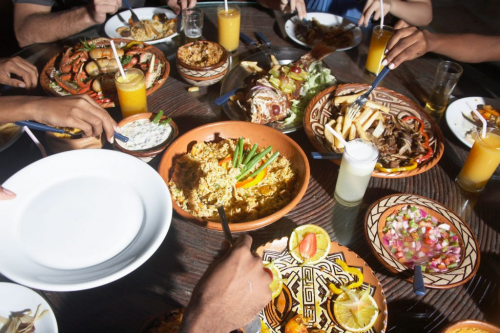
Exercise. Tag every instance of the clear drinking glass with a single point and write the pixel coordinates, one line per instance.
(358, 161)
(192, 24)
(446, 78)
(131, 92)
(229, 26)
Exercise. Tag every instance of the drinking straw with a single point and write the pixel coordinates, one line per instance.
(225, 5)
(35, 140)
(118, 60)
(483, 131)
(337, 135)
(381, 14)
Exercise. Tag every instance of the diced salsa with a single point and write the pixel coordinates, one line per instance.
(417, 238)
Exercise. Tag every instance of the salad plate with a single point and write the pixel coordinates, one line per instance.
(236, 79)
(456, 121)
(146, 13)
(377, 218)
(82, 219)
(325, 19)
(15, 299)
(305, 287)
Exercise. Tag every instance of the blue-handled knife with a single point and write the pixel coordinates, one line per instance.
(224, 98)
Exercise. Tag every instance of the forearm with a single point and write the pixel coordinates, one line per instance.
(469, 48)
(199, 319)
(418, 13)
(17, 108)
(50, 27)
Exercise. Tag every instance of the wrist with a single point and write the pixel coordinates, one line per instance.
(430, 41)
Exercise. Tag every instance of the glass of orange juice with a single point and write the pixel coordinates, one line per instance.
(229, 26)
(482, 161)
(131, 92)
(376, 53)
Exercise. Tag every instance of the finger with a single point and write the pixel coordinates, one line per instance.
(244, 241)
(293, 6)
(105, 121)
(225, 246)
(401, 24)
(301, 9)
(183, 4)
(15, 83)
(6, 194)
(192, 3)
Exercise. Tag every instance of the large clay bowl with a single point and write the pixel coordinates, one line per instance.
(319, 112)
(203, 76)
(262, 135)
(471, 324)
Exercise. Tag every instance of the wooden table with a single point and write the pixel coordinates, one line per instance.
(165, 281)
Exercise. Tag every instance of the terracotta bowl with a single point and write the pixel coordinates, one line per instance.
(462, 325)
(150, 152)
(375, 221)
(203, 76)
(262, 135)
(58, 144)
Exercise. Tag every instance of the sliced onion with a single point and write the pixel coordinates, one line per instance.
(258, 87)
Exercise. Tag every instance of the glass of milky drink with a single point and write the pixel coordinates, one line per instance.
(356, 168)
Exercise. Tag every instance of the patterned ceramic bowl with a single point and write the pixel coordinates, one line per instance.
(202, 75)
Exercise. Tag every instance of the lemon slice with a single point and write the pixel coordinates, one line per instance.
(277, 283)
(309, 244)
(264, 328)
(355, 311)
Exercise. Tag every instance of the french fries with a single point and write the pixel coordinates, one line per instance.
(351, 129)
(252, 66)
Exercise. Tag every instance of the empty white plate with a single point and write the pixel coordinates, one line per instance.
(82, 219)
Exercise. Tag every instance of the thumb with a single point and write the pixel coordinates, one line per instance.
(225, 247)
(5, 194)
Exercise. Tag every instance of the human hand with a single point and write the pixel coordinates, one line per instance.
(373, 7)
(5, 194)
(292, 5)
(406, 44)
(98, 9)
(78, 111)
(400, 25)
(178, 5)
(231, 292)
(20, 67)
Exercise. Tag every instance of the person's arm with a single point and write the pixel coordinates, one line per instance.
(21, 68)
(415, 12)
(410, 43)
(286, 6)
(178, 5)
(230, 294)
(78, 111)
(37, 24)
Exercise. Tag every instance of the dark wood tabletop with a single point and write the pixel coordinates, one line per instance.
(165, 280)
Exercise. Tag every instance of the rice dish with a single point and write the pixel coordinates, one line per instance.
(205, 178)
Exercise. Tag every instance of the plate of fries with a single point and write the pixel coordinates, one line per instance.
(383, 108)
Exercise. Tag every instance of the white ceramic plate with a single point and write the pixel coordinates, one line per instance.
(145, 13)
(456, 121)
(13, 138)
(82, 219)
(327, 20)
(15, 298)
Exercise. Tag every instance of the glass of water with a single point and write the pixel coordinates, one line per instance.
(192, 23)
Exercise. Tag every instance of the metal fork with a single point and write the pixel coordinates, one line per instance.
(134, 16)
(361, 100)
(250, 41)
(266, 41)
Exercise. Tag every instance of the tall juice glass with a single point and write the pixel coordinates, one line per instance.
(229, 27)
(356, 169)
(482, 161)
(131, 92)
(376, 53)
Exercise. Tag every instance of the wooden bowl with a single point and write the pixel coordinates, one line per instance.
(262, 135)
(470, 324)
(203, 76)
(58, 144)
(150, 152)
(319, 112)
(375, 221)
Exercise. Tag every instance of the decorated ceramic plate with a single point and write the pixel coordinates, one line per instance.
(376, 221)
(305, 287)
(320, 109)
(97, 82)
(324, 19)
(236, 78)
(121, 20)
(455, 119)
